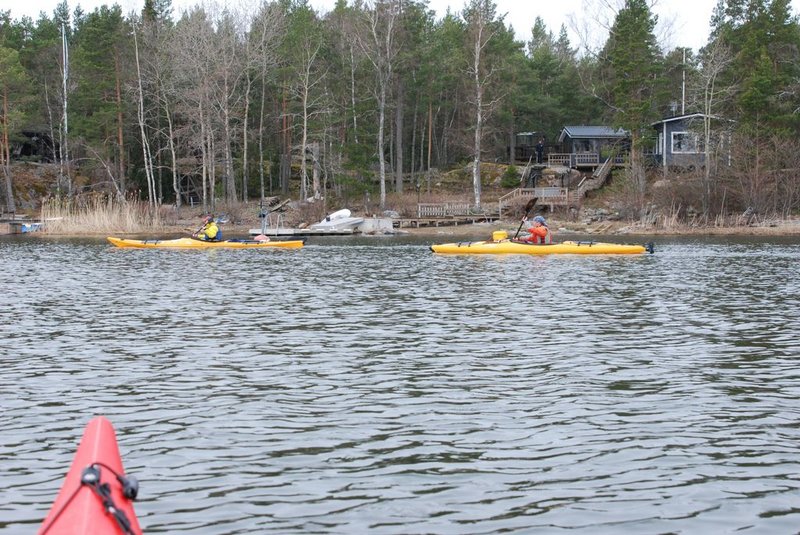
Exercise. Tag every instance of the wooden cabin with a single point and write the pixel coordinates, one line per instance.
(680, 140)
(590, 146)
(525, 146)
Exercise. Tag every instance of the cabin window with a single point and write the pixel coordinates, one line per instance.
(684, 143)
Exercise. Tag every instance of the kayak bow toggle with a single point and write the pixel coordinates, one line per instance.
(90, 477)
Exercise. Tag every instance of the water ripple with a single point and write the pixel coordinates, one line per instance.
(367, 385)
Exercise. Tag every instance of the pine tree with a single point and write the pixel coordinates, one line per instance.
(14, 88)
(631, 62)
(764, 38)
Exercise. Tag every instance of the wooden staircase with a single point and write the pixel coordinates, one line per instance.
(597, 180)
(554, 196)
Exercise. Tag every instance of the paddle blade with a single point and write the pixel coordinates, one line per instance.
(531, 204)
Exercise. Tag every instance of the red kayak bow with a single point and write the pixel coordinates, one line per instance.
(97, 497)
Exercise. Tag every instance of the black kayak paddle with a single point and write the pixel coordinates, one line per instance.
(528, 208)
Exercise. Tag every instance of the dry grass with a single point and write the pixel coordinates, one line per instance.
(99, 214)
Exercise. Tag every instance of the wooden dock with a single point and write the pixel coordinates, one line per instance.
(287, 232)
(370, 225)
(15, 224)
(449, 221)
(449, 214)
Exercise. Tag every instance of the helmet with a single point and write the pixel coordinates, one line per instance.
(539, 219)
(209, 218)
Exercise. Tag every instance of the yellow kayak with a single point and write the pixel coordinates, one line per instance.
(191, 243)
(512, 247)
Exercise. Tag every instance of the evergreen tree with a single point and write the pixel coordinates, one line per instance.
(101, 67)
(765, 40)
(447, 91)
(14, 88)
(631, 64)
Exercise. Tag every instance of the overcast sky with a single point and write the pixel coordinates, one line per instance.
(681, 22)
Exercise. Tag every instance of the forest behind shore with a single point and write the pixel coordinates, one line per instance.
(216, 106)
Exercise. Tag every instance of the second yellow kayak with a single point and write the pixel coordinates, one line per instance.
(512, 247)
(191, 243)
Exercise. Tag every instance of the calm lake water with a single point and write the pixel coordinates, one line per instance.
(367, 385)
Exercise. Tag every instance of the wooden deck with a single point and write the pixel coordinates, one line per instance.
(579, 160)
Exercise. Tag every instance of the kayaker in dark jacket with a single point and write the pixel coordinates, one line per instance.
(539, 232)
(210, 230)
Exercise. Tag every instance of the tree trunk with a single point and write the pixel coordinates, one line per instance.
(381, 148)
(286, 157)
(304, 138)
(204, 157)
(5, 156)
(120, 143)
(245, 174)
(261, 140)
(476, 163)
(64, 130)
(512, 143)
(398, 140)
(230, 180)
(430, 144)
(353, 95)
(146, 154)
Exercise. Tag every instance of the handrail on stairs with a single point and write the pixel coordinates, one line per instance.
(546, 195)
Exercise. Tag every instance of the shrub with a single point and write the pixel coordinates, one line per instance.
(511, 178)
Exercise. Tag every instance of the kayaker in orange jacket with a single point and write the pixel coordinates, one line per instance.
(540, 233)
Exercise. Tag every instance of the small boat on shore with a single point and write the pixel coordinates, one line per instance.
(96, 497)
(500, 244)
(192, 243)
(340, 221)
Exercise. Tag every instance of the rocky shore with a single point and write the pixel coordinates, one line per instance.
(783, 228)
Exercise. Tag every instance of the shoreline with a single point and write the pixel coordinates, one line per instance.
(601, 228)
(782, 228)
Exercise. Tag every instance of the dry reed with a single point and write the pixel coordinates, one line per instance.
(99, 215)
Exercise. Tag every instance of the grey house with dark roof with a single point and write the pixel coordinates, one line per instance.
(680, 140)
(590, 146)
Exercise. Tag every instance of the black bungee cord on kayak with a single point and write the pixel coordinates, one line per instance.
(90, 477)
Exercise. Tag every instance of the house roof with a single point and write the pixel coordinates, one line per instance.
(592, 132)
(684, 118)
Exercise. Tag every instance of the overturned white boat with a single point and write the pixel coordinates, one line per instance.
(341, 221)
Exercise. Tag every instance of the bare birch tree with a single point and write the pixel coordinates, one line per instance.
(156, 60)
(716, 59)
(346, 89)
(304, 46)
(192, 43)
(377, 38)
(147, 154)
(479, 15)
(227, 95)
(268, 26)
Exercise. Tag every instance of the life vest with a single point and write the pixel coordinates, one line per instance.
(547, 239)
(211, 232)
(539, 237)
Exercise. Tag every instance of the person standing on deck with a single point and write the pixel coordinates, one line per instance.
(539, 232)
(540, 151)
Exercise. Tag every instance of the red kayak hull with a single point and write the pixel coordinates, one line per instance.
(77, 508)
